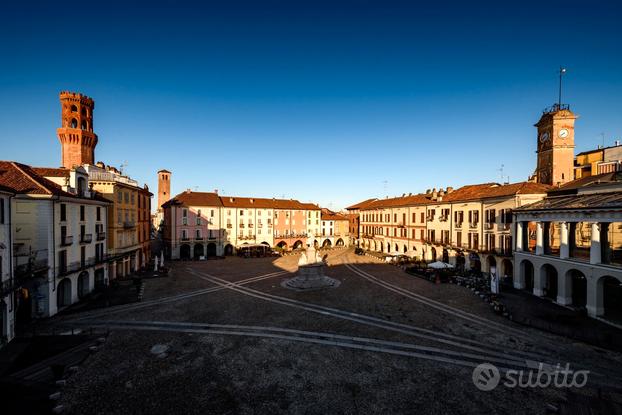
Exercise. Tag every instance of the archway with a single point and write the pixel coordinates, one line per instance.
(381, 246)
(445, 256)
(397, 248)
(612, 297)
(83, 284)
(433, 253)
(297, 244)
(63, 293)
(508, 271)
(491, 264)
(526, 270)
(460, 261)
(228, 249)
(211, 249)
(198, 251)
(405, 248)
(476, 263)
(282, 245)
(578, 283)
(327, 243)
(339, 242)
(184, 251)
(548, 274)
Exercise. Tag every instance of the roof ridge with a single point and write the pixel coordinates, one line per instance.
(17, 166)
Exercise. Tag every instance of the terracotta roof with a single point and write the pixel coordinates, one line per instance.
(163, 171)
(493, 190)
(330, 215)
(196, 199)
(361, 205)
(23, 179)
(590, 181)
(213, 199)
(51, 171)
(418, 199)
(582, 201)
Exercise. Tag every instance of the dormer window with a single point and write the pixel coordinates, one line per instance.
(81, 186)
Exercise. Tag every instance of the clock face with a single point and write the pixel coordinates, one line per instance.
(563, 133)
(544, 137)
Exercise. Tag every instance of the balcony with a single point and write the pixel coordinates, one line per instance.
(101, 236)
(86, 238)
(489, 225)
(198, 238)
(185, 238)
(66, 240)
(473, 225)
(443, 218)
(429, 218)
(128, 224)
(241, 226)
(64, 269)
(458, 225)
(229, 226)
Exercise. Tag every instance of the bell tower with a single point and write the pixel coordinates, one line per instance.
(164, 187)
(76, 135)
(556, 145)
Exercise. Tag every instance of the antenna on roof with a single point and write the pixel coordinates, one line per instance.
(122, 166)
(385, 183)
(500, 170)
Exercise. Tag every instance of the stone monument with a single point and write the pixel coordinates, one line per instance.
(310, 275)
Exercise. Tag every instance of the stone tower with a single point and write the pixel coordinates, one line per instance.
(556, 145)
(164, 187)
(76, 135)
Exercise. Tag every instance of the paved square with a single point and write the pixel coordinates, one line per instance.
(225, 337)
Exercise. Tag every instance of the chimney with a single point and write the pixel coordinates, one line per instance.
(216, 191)
(617, 143)
(450, 189)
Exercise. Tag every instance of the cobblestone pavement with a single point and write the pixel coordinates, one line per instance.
(224, 337)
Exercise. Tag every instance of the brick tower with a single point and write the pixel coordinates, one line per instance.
(164, 187)
(556, 145)
(76, 135)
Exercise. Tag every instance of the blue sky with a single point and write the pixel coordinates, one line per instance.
(320, 101)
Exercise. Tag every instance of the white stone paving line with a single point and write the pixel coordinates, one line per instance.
(368, 344)
(455, 341)
(170, 299)
(438, 305)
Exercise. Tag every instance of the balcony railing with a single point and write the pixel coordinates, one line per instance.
(185, 238)
(129, 224)
(86, 238)
(29, 269)
(229, 226)
(101, 236)
(66, 240)
(443, 218)
(241, 226)
(198, 238)
(489, 225)
(473, 225)
(76, 266)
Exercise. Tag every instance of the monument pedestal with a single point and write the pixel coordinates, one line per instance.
(310, 277)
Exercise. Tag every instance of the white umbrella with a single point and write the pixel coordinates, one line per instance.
(155, 266)
(162, 258)
(440, 265)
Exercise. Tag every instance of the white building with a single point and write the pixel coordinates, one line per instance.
(569, 246)
(7, 286)
(59, 239)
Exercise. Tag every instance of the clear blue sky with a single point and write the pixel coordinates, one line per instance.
(320, 101)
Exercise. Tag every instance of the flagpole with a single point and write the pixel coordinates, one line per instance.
(561, 73)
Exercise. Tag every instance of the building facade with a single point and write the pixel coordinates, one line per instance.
(8, 299)
(335, 229)
(59, 242)
(204, 224)
(569, 246)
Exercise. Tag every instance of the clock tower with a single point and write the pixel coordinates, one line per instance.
(556, 145)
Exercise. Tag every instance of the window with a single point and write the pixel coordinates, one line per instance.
(74, 108)
(126, 197)
(184, 216)
(81, 213)
(184, 234)
(74, 123)
(99, 213)
(120, 197)
(119, 217)
(132, 198)
(63, 212)
(211, 214)
(1, 215)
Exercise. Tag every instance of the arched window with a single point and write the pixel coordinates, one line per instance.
(84, 111)
(74, 123)
(83, 125)
(74, 108)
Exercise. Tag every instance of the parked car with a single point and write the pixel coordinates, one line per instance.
(359, 251)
